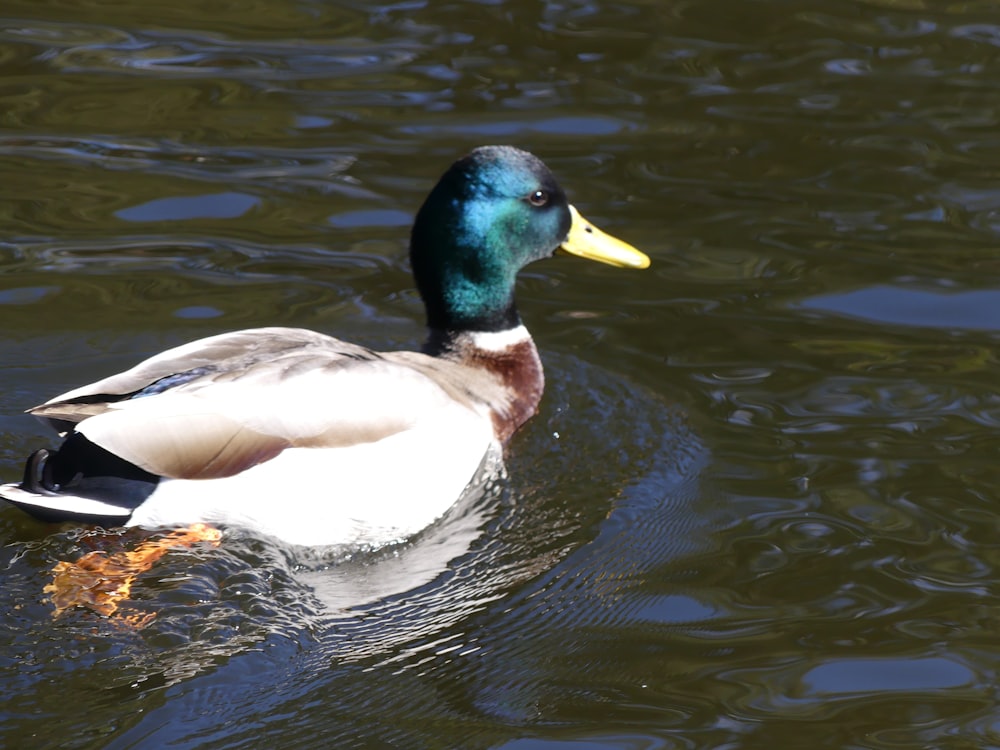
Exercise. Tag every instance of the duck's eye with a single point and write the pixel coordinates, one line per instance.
(538, 198)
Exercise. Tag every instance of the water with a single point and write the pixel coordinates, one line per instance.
(757, 508)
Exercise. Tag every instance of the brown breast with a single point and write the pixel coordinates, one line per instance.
(519, 369)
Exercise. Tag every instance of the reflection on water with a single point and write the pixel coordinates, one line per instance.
(812, 561)
(217, 206)
(868, 675)
(971, 309)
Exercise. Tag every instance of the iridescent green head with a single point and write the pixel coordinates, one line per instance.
(492, 213)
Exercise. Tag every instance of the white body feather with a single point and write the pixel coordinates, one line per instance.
(363, 495)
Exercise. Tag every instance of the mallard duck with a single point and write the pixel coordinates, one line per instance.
(314, 440)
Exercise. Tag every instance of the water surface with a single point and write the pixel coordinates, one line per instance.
(758, 506)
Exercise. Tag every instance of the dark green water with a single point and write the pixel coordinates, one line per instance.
(759, 508)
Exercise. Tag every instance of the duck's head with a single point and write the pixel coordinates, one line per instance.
(492, 213)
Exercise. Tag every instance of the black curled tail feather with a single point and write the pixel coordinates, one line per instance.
(34, 470)
(57, 485)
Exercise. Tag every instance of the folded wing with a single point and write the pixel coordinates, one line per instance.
(215, 407)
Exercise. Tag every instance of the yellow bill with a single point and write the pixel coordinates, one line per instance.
(587, 241)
